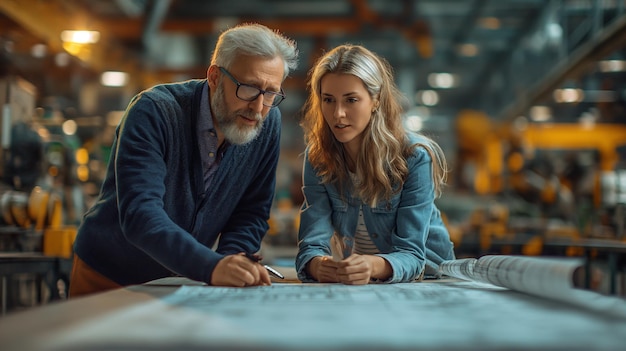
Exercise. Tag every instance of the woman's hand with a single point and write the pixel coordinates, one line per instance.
(360, 269)
(323, 269)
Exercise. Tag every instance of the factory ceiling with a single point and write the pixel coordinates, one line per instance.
(503, 56)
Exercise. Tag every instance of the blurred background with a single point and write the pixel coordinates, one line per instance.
(526, 97)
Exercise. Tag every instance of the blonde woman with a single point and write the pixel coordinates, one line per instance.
(369, 184)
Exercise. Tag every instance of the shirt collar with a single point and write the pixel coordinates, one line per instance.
(205, 122)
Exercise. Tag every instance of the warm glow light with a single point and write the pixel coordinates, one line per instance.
(53, 171)
(82, 173)
(568, 95)
(80, 36)
(114, 79)
(612, 66)
(69, 127)
(82, 156)
(44, 133)
(39, 50)
(427, 97)
(442, 80)
(540, 113)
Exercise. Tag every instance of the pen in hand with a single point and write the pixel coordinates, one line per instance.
(257, 259)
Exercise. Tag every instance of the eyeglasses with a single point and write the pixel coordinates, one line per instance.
(248, 92)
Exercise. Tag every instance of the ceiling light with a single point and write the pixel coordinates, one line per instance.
(38, 50)
(427, 97)
(80, 36)
(540, 113)
(114, 79)
(554, 31)
(612, 66)
(442, 80)
(69, 127)
(568, 95)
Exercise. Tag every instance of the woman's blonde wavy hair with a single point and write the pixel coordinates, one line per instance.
(381, 163)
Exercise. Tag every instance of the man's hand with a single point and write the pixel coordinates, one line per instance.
(238, 270)
(323, 269)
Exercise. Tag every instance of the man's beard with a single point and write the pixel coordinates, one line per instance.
(227, 121)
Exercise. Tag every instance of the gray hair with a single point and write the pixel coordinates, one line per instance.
(254, 39)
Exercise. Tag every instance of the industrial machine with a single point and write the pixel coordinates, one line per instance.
(35, 241)
(543, 181)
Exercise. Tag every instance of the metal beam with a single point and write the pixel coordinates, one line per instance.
(47, 19)
(43, 19)
(612, 38)
(416, 32)
(157, 12)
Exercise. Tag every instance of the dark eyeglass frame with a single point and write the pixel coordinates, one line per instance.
(278, 96)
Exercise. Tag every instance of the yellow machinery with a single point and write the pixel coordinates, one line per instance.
(605, 138)
(40, 212)
(500, 157)
(494, 150)
(477, 141)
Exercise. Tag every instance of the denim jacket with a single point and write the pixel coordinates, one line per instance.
(408, 229)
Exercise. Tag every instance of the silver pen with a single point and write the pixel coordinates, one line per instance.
(272, 271)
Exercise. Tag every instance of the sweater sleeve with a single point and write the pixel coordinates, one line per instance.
(141, 169)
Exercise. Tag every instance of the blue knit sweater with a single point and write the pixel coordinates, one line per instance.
(153, 218)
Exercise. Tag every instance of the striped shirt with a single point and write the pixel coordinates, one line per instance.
(363, 243)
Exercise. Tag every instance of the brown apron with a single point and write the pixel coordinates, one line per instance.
(85, 280)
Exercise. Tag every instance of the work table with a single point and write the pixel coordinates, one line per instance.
(446, 314)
